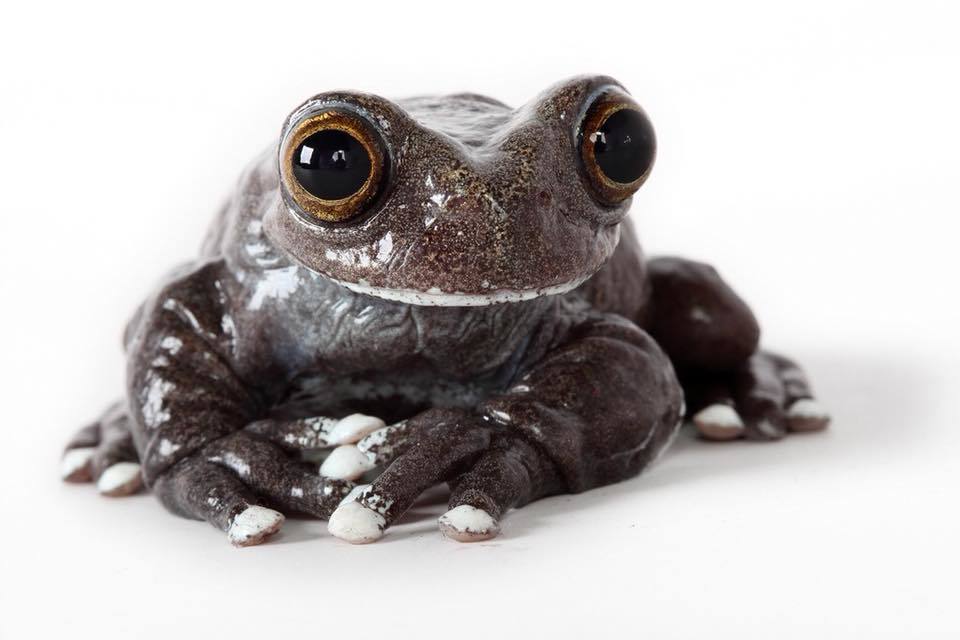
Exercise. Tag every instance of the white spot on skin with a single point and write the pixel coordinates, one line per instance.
(228, 326)
(354, 427)
(385, 247)
(356, 524)
(277, 284)
(376, 502)
(355, 493)
(383, 441)
(468, 524)
(120, 478)
(253, 524)
(296, 492)
(171, 344)
(346, 462)
(167, 448)
(154, 413)
(75, 460)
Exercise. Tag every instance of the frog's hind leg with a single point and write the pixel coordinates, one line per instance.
(733, 390)
(103, 452)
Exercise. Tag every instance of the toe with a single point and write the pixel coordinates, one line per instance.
(807, 414)
(354, 427)
(346, 462)
(75, 464)
(354, 493)
(120, 479)
(719, 422)
(468, 524)
(356, 523)
(253, 525)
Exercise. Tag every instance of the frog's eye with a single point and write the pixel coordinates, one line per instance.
(333, 165)
(617, 146)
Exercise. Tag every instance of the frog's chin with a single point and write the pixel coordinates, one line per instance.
(434, 297)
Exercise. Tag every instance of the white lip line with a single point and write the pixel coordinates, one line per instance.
(441, 299)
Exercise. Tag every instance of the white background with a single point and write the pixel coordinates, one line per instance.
(810, 150)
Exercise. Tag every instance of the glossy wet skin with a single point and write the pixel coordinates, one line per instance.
(483, 201)
(466, 306)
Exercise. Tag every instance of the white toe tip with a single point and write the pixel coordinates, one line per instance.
(346, 463)
(356, 523)
(120, 479)
(468, 524)
(807, 415)
(354, 427)
(719, 422)
(807, 408)
(722, 416)
(74, 464)
(253, 525)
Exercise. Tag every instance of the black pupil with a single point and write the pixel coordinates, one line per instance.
(624, 145)
(331, 164)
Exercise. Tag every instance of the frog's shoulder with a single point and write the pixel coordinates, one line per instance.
(236, 234)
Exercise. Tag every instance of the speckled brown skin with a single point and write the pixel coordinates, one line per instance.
(507, 402)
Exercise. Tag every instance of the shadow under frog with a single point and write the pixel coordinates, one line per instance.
(438, 289)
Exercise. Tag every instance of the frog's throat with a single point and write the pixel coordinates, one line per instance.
(434, 297)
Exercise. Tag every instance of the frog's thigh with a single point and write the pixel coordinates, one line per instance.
(697, 318)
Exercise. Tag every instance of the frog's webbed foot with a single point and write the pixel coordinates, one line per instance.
(764, 399)
(489, 468)
(103, 452)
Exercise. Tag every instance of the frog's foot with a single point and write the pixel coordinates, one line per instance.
(103, 452)
(489, 468)
(235, 483)
(764, 400)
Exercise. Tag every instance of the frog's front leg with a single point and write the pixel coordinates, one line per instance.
(594, 410)
(194, 420)
(733, 389)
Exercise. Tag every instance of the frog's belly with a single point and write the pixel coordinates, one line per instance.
(391, 398)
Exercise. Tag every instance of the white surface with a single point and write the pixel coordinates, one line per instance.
(810, 151)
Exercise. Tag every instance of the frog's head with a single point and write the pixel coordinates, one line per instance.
(460, 200)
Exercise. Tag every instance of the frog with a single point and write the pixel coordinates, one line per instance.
(434, 291)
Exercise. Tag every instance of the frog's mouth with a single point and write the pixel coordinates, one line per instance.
(434, 297)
